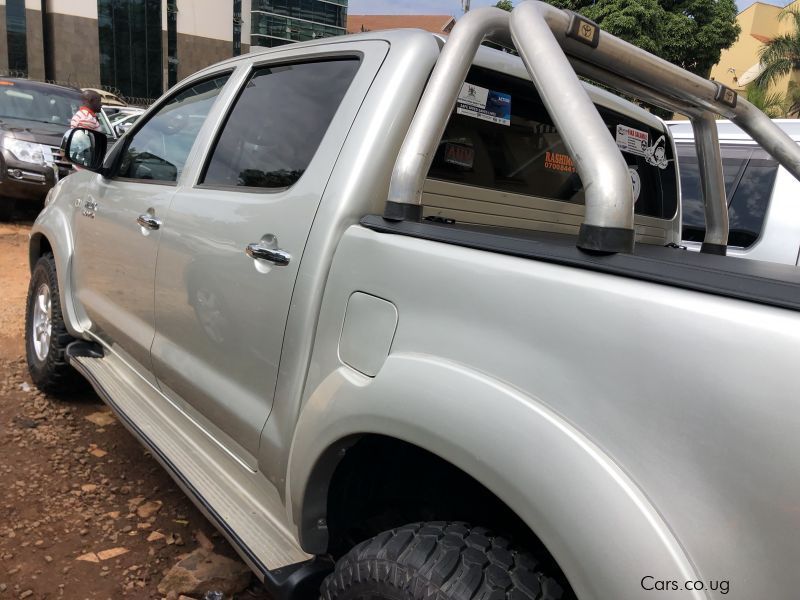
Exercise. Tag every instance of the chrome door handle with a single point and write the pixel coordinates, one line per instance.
(276, 256)
(148, 221)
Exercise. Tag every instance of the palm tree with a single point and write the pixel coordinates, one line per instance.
(781, 55)
(772, 104)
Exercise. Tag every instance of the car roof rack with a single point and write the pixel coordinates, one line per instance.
(557, 47)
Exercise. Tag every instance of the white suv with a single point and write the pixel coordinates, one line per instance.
(763, 198)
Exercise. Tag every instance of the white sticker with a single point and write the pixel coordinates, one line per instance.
(473, 95)
(485, 104)
(633, 141)
(656, 154)
(636, 183)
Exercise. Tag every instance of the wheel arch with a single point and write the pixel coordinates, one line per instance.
(51, 233)
(571, 495)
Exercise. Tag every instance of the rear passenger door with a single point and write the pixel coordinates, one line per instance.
(230, 250)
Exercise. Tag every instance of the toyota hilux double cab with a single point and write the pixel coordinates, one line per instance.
(407, 317)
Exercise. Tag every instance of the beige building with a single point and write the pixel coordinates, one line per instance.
(738, 65)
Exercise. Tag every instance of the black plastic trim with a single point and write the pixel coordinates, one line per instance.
(605, 240)
(755, 281)
(401, 211)
(299, 581)
(717, 249)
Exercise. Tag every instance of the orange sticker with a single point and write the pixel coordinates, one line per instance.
(558, 162)
(6, 83)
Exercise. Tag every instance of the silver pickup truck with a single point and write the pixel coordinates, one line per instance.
(407, 317)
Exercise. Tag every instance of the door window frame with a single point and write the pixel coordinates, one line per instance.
(282, 56)
(252, 68)
(155, 110)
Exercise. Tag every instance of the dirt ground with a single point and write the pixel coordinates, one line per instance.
(74, 482)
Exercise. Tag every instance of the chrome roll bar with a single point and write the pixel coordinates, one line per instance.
(435, 106)
(555, 47)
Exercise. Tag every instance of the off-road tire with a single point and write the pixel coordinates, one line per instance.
(53, 374)
(441, 561)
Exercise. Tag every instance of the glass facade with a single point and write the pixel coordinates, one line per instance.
(278, 22)
(237, 27)
(17, 37)
(172, 42)
(130, 46)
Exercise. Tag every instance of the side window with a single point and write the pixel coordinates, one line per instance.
(748, 207)
(158, 151)
(278, 123)
(749, 175)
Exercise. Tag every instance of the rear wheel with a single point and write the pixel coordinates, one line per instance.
(451, 561)
(46, 336)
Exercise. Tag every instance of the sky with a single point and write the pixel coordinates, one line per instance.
(447, 7)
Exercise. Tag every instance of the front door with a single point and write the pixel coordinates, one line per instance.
(118, 225)
(229, 258)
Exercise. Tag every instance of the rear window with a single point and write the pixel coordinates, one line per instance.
(501, 137)
(749, 174)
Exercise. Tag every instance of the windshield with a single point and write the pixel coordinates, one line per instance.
(32, 103)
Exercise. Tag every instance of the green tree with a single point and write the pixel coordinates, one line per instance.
(781, 55)
(505, 5)
(688, 33)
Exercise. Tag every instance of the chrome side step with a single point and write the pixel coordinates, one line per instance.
(243, 505)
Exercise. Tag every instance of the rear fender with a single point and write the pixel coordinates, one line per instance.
(594, 520)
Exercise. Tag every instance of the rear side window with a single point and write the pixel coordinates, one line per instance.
(278, 123)
(501, 137)
(749, 174)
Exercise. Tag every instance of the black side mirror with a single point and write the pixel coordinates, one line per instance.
(85, 148)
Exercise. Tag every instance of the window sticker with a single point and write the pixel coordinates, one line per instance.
(632, 141)
(558, 162)
(656, 154)
(482, 103)
(459, 154)
(636, 183)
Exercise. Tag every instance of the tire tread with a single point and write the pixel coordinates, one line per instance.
(442, 561)
(55, 374)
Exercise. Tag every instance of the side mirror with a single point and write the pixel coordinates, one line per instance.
(84, 148)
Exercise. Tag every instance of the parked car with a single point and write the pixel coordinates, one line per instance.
(33, 119)
(406, 325)
(763, 203)
(124, 121)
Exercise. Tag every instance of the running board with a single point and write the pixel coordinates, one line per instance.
(243, 505)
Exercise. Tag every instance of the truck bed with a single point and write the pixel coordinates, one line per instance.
(755, 281)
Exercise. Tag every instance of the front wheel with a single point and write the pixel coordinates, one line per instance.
(46, 336)
(451, 561)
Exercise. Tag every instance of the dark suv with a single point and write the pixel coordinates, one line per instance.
(33, 119)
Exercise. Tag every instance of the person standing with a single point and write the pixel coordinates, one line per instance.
(86, 117)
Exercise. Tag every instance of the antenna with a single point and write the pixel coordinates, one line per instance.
(465, 5)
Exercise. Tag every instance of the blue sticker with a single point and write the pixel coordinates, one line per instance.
(482, 103)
